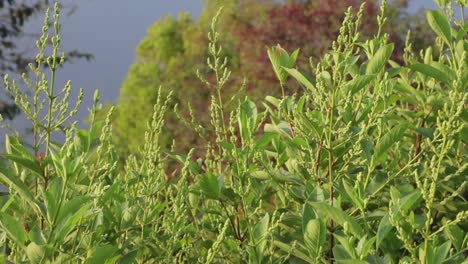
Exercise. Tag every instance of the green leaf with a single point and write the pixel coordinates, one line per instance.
(70, 214)
(340, 217)
(357, 201)
(367, 148)
(225, 145)
(264, 140)
(209, 185)
(52, 198)
(314, 237)
(84, 139)
(359, 83)
(340, 253)
(433, 72)
(129, 258)
(365, 246)
(384, 229)
(35, 252)
(441, 252)
(456, 236)
(8, 177)
(294, 251)
(380, 58)
(307, 215)
(293, 58)
(411, 95)
(15, 147)
(441, 26)
(36, 236)
(301, 78)
(347, 245)
(247, 119)
(351, 261)
(410, 200)
(386, 142)
(280, 58)
(260, 233)
(102, 253)
(261, 175)
(25, 162)
(282, 128)
(13, 228)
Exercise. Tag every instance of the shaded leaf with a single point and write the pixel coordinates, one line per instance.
(456, 236)
(387, 141)
(294, 251)
(129, 258)
(209, 185)
(13, 228)
(384, 229)
(441, 252)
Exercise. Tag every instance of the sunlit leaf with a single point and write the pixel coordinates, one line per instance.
(380, 58)
(314, 237)
(301, 78)
(260, 232)
(440, 25)
(431, 71)
(359, 83)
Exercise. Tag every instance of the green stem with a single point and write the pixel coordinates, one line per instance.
(221, 109)
(330, 167)
(50, 95)
(282, 89)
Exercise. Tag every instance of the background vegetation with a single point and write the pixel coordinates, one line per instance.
(176, 47)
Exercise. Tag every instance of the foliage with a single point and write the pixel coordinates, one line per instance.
(175, 47)
(15, 58)
(368, 165)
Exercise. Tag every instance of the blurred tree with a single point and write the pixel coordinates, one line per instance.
(309, 25)
(174, 48)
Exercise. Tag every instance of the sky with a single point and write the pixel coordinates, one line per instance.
(111, 30)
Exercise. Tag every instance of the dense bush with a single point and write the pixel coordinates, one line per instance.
(367, 166)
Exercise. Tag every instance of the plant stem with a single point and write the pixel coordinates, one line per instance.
(330, 167)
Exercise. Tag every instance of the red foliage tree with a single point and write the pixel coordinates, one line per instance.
(309, 25)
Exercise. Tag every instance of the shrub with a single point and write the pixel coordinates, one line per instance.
(367, 166)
